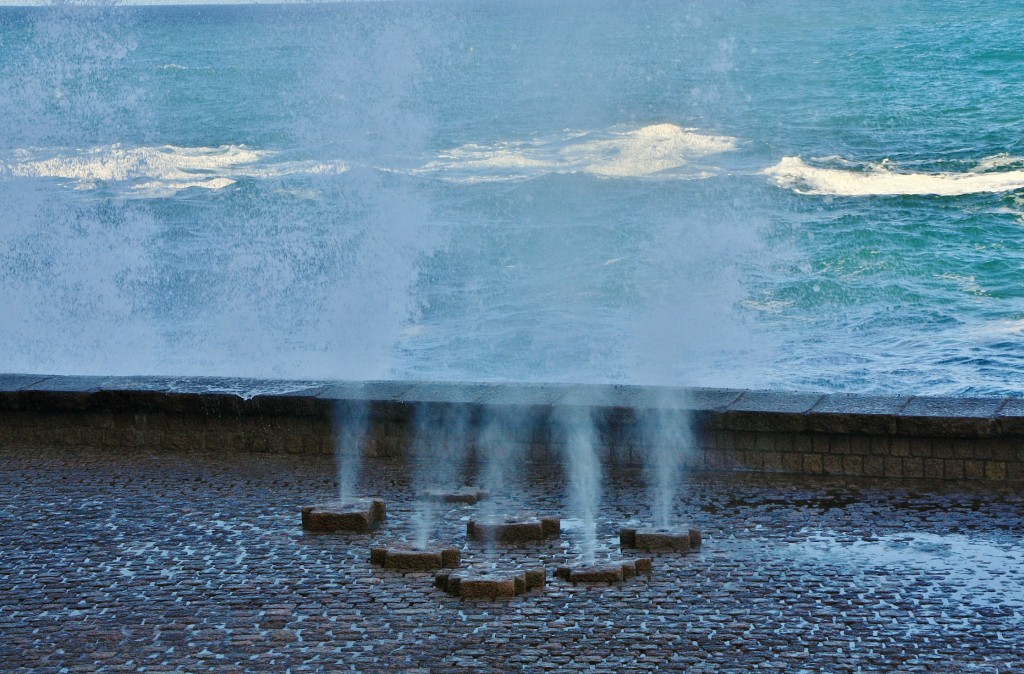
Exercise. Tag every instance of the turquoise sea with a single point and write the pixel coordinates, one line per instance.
(800, 195)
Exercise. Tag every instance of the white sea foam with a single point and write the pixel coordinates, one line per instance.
(615, 153)
(1018, 209)
(168, 188)
(158, 171)
(883, 179)
(1001, 160)
(999, 329)
(115, 163)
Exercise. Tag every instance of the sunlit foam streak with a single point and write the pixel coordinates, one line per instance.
(116, 163)
(158, 171)
(659, 149)
(1000, 329)
(880, 180)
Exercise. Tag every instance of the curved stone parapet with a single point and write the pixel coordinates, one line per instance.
(962, 439)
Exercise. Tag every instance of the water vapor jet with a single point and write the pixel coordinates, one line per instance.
(574, 430)
(665, 429)
(503, 459)
(351, 425)
(440, 442)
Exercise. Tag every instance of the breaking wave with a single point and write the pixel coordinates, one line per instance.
(884, 179)
(665, 150)
(156, 171)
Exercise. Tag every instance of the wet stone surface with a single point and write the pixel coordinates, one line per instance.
(192, 562)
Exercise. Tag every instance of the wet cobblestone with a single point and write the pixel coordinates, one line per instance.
(194, 562)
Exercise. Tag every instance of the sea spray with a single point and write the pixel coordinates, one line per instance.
(350, 244)
(136, 242)
(515, 206)
(71, 269)
(65, 76)
(71, 274)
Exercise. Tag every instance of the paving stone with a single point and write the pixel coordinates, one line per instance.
(191, 561)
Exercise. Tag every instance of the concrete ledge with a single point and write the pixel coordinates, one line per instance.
(766, 431)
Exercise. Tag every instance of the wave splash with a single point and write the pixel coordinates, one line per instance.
(884, 179)
(658, 149)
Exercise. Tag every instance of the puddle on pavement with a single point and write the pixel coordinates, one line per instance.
(982, 570)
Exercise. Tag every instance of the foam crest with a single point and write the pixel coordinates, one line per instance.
(116, 163)
(168, 188)
(158, 171)
(1002, 160)
(660, 149)
(881, 180)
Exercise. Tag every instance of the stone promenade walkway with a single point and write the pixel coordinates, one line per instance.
(198, 563)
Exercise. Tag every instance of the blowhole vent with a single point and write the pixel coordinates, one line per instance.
(661, 540)
(468, 495)
(490, 586)
(605, 572)
(410, 559)
(514, 531)
(359, 516)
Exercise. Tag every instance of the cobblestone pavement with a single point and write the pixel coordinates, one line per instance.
(192, 562)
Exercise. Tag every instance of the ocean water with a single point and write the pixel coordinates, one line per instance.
(808, 196)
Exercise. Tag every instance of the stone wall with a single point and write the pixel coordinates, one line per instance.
(764, 431)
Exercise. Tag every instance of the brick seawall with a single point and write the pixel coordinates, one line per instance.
(964, 439)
